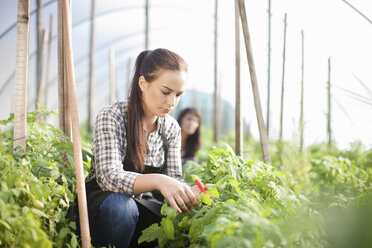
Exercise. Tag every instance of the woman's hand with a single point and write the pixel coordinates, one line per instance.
(179, 195)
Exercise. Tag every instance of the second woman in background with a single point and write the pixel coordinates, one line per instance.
(189, 120)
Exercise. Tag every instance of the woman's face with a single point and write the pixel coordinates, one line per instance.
(189, 123)
(162, 94)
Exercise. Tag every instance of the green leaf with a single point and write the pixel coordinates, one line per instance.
(266, 212)
(224, 179)
(163, 239)
(168, 228)
(214, 192)
(74, 242)
(150, 234)
(38, 212)
(206, 199)
(6, 225)
(63, 232)
(168, 211)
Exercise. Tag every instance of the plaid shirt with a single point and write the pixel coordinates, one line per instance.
(110, 145)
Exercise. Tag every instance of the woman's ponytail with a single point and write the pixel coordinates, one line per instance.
(136, 136)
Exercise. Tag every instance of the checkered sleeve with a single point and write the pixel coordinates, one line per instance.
(174, 162)
(109, 148)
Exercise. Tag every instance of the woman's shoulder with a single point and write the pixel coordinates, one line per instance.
(116, 111)
(170, 124)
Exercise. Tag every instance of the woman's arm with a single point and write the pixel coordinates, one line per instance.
(108, 149)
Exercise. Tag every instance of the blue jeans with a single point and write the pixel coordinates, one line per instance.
(115, 225)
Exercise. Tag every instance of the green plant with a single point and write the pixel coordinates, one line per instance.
(36, 187)
(252, 206)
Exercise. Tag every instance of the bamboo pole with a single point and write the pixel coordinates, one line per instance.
(21, 74)
(43, 42)
(302, 95)
(129, 74)
(283, 72)
(73, 111)
(216, 123)
(64, 118)
(38, 45)
(329, 128)
(256, 95)
(46, 84)
(194, 97)
(91, 69)
(268, 73)
(147, 8)
(112, 75)
(238, 109)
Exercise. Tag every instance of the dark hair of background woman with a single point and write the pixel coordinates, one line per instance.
(193, 143)
(148, 65)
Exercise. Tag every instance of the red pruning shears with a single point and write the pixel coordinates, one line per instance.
(202, 187)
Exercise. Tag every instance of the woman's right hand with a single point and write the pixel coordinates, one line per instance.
(179, 195)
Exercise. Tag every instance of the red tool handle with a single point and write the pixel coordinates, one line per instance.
(201, 186)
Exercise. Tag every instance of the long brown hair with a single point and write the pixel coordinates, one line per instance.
(193, 143)
(148, 64)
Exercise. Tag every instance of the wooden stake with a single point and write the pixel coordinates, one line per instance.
(256, 96)
(91, 69)
(64, 118)
(194, 97)
(217, 110)
(268, 73)
(329, 129)
(39, 17)
(302, 96)
(238, 110)
(21, 74)
(147, 8)
(79, 171)
(283, 71)
(129, 74)
(46, 84)
(43, 41)
(112, 75)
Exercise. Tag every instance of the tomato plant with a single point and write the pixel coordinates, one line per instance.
(36, 188)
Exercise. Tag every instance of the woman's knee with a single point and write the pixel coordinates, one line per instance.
(116, 222)
(119, 207)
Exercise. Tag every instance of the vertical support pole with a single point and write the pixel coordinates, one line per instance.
(216, 119)
(194, 97)
(43, 41)
(129, 74)
(79, 171)
(147, 8)
(48, 60)
(64, 118)
(302, 94)
(91, 69)
(329, 129)
(256, 95)
(112, 75)
(238, 109)
(283, 72)
(21, 74)
(268, 73)
(39, 18)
